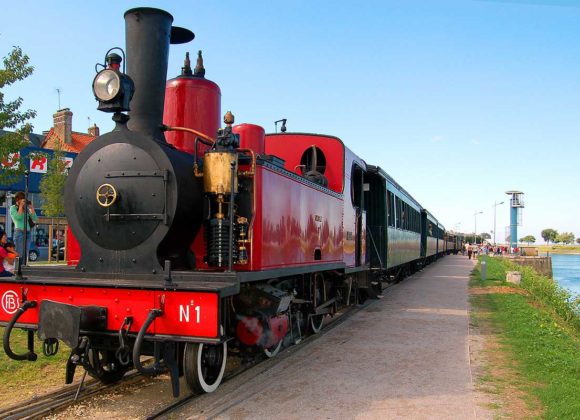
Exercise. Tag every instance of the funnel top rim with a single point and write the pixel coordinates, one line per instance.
(148, 10)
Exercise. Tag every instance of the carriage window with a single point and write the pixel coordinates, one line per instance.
(391, 209)
(400, 213)
(356, 186)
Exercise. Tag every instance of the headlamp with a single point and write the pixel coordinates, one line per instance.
(112, 87)
(107, 85)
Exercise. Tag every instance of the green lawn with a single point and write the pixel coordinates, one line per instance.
(560, 249)
(23, 380)
(540, 333)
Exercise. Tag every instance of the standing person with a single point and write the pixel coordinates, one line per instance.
(17, 212)
(3, 255)
(469, 251)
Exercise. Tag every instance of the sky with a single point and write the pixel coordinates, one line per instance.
(460, 101)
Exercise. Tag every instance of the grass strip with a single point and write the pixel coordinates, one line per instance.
(21, 380)
(540, 333)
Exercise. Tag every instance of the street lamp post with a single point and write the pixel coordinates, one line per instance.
(495, 204)
(475, 227)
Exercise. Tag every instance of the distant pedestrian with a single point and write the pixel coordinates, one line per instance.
(469, 251)
(18, 212)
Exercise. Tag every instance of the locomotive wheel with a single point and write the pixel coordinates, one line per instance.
(318, 298)
(107, 367)
(204, 366)
(273, 351)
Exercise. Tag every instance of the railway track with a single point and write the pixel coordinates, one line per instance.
(60, 399)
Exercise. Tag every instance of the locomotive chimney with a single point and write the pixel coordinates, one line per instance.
(148, 34)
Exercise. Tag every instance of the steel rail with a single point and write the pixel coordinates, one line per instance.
(62, 398)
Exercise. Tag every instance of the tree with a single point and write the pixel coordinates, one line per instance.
(52, 185)
(485, 235)
(529, 239)
(565, 237)
(549, 235)
(578, 241)
(15, 68)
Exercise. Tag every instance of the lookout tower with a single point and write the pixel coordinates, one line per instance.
(516, 203)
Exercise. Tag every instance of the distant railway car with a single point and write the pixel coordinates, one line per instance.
(430, 236)
(394, 232)
(453, 242)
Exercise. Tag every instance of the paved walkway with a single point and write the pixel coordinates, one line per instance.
(406, 356)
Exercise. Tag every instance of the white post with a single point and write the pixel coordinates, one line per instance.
(495, 204)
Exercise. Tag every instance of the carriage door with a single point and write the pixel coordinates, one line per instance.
(357, 195)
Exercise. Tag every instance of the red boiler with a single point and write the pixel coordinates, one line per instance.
(191, 101)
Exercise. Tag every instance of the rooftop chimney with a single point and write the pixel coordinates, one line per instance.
(94, 130)
(63, 125)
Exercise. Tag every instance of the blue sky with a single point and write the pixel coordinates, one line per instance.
(459, 101)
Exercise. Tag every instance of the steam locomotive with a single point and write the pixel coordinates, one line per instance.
(195, 238)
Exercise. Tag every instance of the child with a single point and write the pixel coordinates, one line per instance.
(11, 255)
(3, 255)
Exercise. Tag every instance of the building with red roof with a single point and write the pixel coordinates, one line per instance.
(61, 134)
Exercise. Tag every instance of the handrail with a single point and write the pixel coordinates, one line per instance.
(156, 368)
(30, 356)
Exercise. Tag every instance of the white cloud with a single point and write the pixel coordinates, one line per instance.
(436, 139)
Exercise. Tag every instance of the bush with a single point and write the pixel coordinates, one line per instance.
(543, 289)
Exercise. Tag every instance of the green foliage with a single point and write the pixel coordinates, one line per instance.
(485, 235)
(565, 237)
(15, 68)
(529, 239)
(543, 289)
(52, 185)
(474, 238)
(549, 235)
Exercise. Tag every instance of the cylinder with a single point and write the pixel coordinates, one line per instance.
(264, 332)
(194, 102)
(148, 33)
(251, 137)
